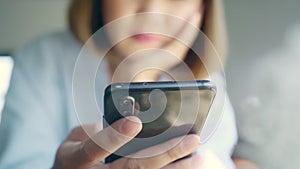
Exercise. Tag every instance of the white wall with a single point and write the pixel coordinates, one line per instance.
(262, 44)
(256, 27)
(21, 20)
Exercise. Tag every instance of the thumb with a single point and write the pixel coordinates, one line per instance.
(102, 144)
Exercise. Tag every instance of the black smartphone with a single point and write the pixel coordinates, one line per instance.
(167, 109)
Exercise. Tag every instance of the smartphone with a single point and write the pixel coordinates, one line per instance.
(167, 109)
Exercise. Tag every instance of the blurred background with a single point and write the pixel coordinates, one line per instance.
(264, 38)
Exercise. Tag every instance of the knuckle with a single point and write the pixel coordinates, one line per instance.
(175, 153)
(74, 133)
(75, 129)
(133, 163)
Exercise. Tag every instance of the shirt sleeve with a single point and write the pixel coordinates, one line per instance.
(32, 125)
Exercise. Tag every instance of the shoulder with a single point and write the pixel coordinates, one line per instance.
(52, 43)
(62, 37)
(48, 51)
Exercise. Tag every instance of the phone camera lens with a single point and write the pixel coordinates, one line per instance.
(126, 102)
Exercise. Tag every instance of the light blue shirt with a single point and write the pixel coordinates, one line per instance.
(39, 111)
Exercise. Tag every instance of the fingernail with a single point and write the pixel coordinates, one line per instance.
(131, 125)
(191, 143)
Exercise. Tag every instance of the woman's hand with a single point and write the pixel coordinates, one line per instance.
(79, 151)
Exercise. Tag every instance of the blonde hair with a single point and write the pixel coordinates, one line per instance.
(80, 22)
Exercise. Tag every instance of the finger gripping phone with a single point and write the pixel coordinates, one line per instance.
(167, 109)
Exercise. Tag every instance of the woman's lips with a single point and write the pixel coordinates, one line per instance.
(146, 38)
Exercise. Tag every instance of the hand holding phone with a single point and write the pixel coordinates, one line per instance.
(166, 109)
